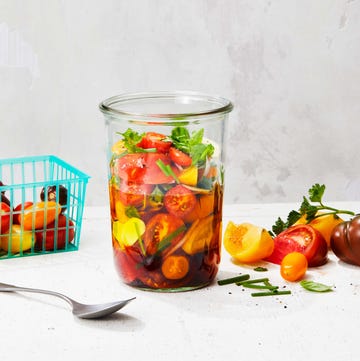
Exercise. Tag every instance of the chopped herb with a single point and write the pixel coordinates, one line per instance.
(192, 144)
(236, 279)
(270, 293)
(260, 269)
(132, 139)
(166, 169)
(308, 209)
(132, 212)
(315, 286)
(166, 241)
(140, 239)
(257, 280)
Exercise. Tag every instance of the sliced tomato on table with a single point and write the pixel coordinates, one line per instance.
(300, 238)
(143, 168)
(158, 141)
(179, 201)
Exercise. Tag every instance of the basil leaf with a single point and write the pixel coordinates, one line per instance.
(315, 286)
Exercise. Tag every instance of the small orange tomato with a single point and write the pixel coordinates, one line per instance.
(175, 267)
(40, 214)
(293, 266)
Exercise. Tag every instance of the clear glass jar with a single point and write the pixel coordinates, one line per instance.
(166, 181)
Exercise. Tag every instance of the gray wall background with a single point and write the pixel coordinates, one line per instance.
(291, 68)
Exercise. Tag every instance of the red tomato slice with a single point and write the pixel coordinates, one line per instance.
(142, 168)
(132, 194)
(160, 226)
(301, 238)
(155, 140)
(179, 157)
(179, 201)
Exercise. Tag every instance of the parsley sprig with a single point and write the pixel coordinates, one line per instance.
(191, 144)
(309, 209)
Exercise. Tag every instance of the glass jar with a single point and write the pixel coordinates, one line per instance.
(166, 182)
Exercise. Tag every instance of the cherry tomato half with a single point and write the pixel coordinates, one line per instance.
(293, 266)
(179, 201)
(179, 157)
(155, 140)
(300, 238)
(175, 267)
(142, 168)
(160, 226)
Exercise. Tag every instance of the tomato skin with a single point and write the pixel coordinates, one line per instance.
(4, 217)
(158, 227)
(39, 214)
(19, 209)
(155, 140)
(63, 229)
(300, 238)
(21, 240)
(345, 241)
(132, 194)
(293, 266)
(179, 201)
(142, 168)
(179, 157)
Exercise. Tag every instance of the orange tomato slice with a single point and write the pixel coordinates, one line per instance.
(247, 243)
(199, 235)
(175, 267)
(203, 207)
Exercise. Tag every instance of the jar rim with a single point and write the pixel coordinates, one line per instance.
(219, 106)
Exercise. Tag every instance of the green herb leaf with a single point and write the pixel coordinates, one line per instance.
(132, 212)
(260, 269)
(279, 226)
(316, 192)
(315, 286)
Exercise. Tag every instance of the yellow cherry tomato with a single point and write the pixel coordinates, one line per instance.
(247, 243)
(293, 266)
(18, 240)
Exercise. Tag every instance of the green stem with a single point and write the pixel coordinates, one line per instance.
(271, 293)
(236, 279)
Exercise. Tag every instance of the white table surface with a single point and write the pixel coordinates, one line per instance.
(214, 323)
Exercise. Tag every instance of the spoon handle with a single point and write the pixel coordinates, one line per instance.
(11, 288)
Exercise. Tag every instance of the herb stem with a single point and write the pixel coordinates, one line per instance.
(236, 279)
(271, 293)
(259, 287)
(256, 280)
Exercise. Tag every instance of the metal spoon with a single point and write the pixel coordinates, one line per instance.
(78, 309)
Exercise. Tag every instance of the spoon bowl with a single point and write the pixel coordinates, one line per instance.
(79, 310)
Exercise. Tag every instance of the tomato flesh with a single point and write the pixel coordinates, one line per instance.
(300, 238)
(179, 157)
(155, 140)
(4, 217)
(142, 168)
(179, 201)
(132, 194)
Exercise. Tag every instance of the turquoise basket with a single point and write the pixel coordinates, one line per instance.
(26, 182)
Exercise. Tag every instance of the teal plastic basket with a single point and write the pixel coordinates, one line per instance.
(45, 199)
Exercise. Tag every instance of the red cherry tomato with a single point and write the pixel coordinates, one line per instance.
(55, 235)
(142, 168)
(155, 140)
(4, 217)
(179, 157)
(135, 194)
(301, 238)
(160, 226)
(179, 201)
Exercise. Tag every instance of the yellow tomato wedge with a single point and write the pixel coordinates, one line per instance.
(324, 224)
(247, 243)
(189, 176)
(129, 232)
(199, 235)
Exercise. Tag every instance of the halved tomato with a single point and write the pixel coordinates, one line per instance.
(179, 201)
(155, 140)
(161, 227)
(142, 168)
(300, 238)
(179, 157)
